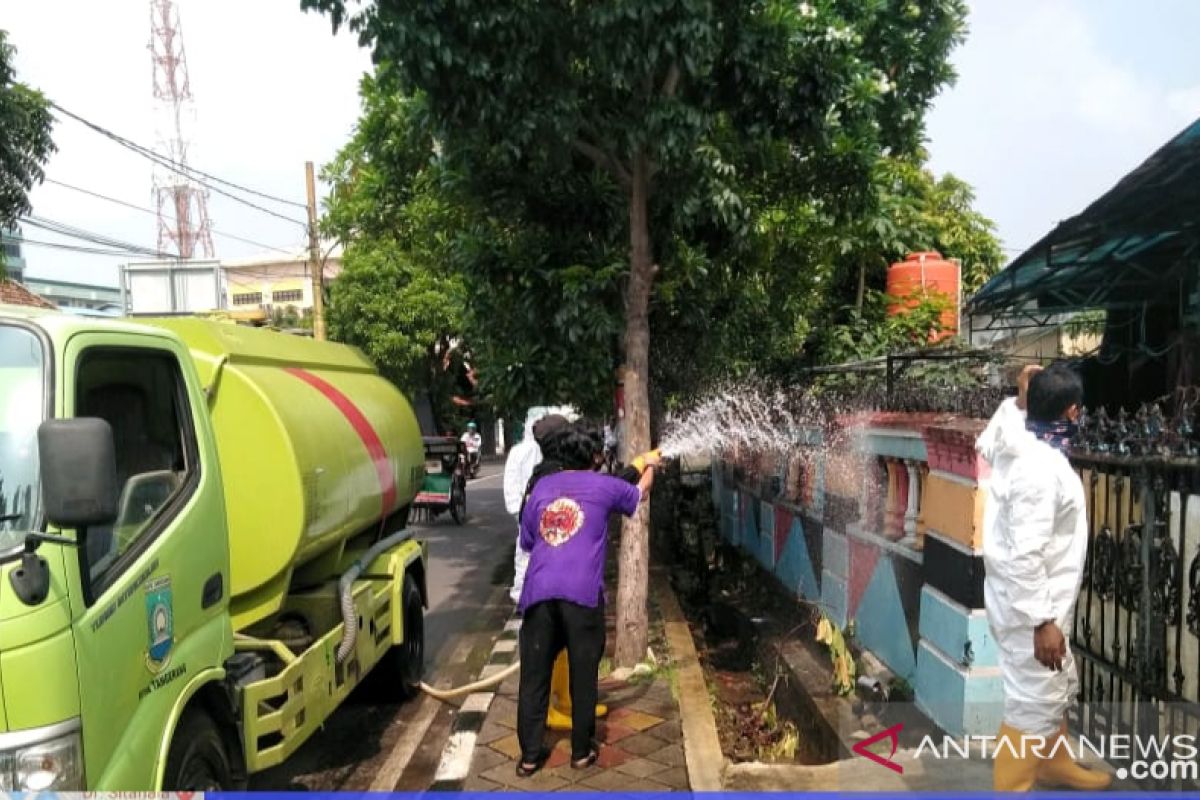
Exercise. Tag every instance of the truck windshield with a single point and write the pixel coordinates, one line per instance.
(22, 407)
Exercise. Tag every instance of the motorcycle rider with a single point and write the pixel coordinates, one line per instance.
(1035, 542)
(473, 442)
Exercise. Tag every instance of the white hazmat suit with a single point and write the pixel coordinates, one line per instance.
(524, 456)
(1034, 546)
(518, 469)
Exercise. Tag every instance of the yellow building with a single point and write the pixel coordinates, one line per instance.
(276, 282)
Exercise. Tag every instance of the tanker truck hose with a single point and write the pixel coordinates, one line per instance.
(349, 618)
(477, 686)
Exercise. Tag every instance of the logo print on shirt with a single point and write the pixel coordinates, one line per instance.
(561, 520)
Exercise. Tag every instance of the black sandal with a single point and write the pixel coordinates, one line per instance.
(526, 769)
(587, 761)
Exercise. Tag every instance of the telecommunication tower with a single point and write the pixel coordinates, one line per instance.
(182, 203)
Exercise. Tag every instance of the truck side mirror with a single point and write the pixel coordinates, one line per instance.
(78, 472)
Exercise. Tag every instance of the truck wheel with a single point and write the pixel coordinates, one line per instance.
(198, 760)
(400, 674)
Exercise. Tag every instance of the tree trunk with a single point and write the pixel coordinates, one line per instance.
(634, 575)
(862, 286)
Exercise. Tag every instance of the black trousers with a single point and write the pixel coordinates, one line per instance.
(547, 628)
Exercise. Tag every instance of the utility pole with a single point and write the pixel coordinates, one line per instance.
(314, 256)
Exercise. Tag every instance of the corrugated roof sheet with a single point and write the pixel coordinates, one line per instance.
(1133, 245)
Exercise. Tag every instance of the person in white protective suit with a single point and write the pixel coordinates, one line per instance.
(518, 469)
(1034, 545)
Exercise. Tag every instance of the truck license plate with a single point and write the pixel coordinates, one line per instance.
(433, 467)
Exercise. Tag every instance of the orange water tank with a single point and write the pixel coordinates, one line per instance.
(926, 274)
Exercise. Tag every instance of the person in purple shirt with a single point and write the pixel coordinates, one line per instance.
(564, 527)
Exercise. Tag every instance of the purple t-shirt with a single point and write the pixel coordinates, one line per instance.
(564, 529)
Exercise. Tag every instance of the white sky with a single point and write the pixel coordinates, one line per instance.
(1056, 100)
(273, 89)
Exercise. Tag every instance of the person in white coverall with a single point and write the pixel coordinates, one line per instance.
(1034, 545)
(518, 468)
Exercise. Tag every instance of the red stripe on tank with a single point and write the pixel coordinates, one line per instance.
(375, 448)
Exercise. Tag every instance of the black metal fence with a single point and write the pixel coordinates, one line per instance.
(1136, 632)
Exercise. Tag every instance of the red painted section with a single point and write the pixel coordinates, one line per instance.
(863, 558)
(362, 426)
(783, 525)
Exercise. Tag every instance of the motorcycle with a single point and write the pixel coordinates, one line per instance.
(471, 461)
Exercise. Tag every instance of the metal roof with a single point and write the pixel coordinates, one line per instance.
(1138, 244)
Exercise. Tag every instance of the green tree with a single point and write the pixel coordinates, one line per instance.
(653, 94)
(25, 143)
(391, 300)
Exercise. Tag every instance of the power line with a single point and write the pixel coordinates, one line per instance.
(187, 172)
(154, 213)
(70, 231)
(76, 248)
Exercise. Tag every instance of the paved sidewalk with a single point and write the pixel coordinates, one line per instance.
(641, 739)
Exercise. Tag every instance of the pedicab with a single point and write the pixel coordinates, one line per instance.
(445, 487)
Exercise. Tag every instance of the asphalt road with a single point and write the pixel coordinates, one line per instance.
(369, 745)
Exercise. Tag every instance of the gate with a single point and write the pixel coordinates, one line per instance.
(1136, 632)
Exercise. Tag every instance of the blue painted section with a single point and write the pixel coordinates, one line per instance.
(962, 702)
(763, 546)
(795, 568)
(835, 553)
(833, 598)
(961, 636)
(907, 445)
(879, 622)
(748, 506)
(728, 513)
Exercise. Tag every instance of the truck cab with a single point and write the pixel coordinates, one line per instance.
(121, 664)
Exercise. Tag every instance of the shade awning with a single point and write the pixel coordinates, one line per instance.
(1137, 244)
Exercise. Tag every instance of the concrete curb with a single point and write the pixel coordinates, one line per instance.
(455, 764)
(701, 744)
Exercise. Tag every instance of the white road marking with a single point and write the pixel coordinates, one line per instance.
(505, 646)
(456, 758)
(412, 738)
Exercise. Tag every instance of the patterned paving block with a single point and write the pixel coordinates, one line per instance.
(490, 732)
(675, 777)
(505, 774)
(643, 744)
(611, 732)
(629, 718)
(641, 768)
(670, 731)
(671, 755)
(484, 758)
(614, 781)
(613, 756)
(475, 783)
(509, 746)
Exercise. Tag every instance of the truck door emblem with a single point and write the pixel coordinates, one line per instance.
(160, 623)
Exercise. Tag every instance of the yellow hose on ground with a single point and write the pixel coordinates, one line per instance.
(477, 686)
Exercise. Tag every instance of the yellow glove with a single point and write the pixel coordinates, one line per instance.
(649, 458)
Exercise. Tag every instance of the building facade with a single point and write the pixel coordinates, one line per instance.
(84, 299)
(14, 259)
(277, 284)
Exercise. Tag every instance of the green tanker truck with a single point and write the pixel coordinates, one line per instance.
(202, 548)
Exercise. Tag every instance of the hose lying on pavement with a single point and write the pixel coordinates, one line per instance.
(477, 686)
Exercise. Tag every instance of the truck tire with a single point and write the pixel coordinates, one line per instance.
(400, 673)
(198, 760)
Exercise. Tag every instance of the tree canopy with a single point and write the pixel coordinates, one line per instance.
(25, 143)
(684, 127)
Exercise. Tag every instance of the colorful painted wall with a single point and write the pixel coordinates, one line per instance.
(878, 522)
